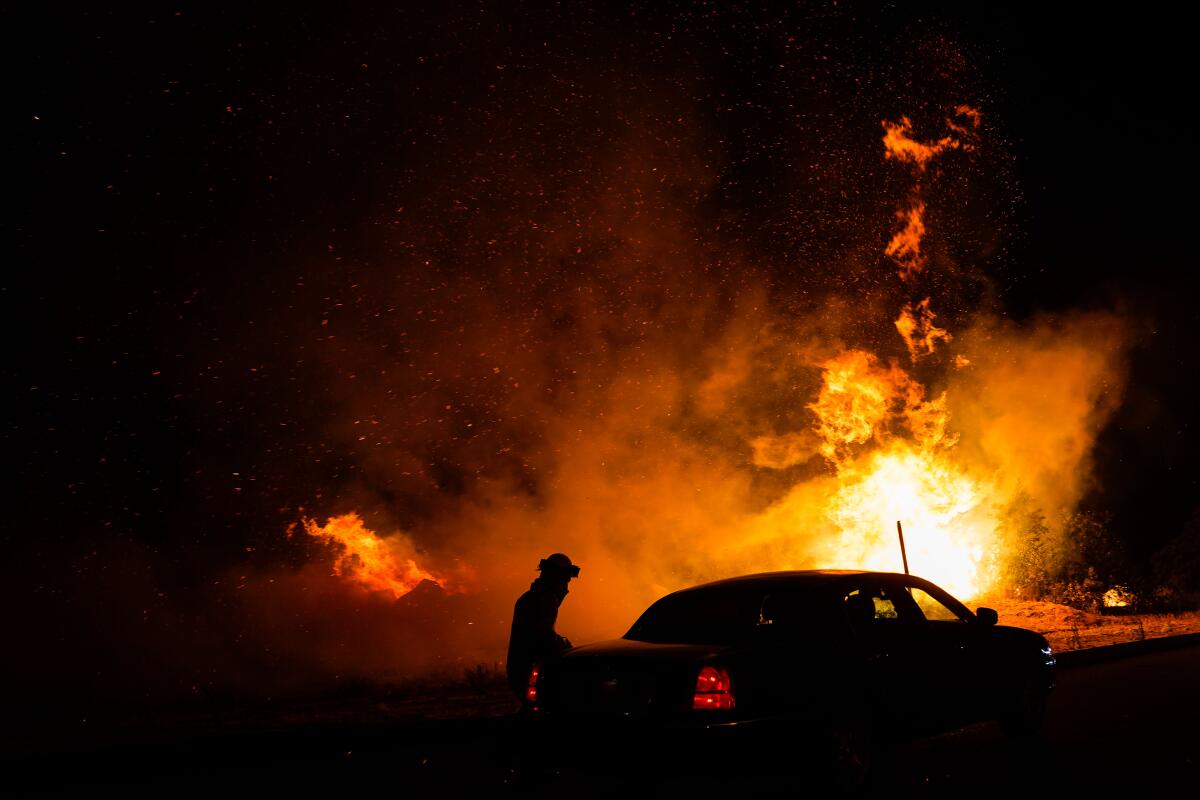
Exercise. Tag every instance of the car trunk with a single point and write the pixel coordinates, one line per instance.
(624, 678)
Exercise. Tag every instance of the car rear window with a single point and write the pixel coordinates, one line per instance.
(728, 614)
(713, 616)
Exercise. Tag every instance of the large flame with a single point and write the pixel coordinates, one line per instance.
(895, 462)
(894, 459)
(950, 537)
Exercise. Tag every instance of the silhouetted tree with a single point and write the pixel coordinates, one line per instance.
(1029, 571)
(1092, 562)
(1176, 568)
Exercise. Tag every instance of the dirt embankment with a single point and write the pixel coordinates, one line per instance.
(1071, 629)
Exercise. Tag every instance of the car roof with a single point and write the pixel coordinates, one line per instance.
(811, 578)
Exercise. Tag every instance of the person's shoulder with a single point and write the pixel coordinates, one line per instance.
(536, 595)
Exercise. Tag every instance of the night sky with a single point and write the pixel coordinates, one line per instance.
(214, 212)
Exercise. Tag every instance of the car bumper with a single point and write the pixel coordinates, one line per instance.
(672, 744)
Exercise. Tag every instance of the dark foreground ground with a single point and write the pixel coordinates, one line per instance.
(1125, 722)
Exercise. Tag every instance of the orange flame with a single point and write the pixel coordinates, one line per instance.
(901, 146)
(949, 529)
(856, 401)
(905, 246)
(374, 562)
(916, 327)
(910, 475)
(970, 115)
(898, 143)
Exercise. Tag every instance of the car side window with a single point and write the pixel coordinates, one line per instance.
(789, 615)
(904, 610)
(708, 616)
(932, 608)
(885, 607)
(870, 607)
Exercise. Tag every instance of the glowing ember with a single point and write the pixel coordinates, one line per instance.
(374, 562)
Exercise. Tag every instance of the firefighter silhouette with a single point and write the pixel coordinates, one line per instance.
(533, 638)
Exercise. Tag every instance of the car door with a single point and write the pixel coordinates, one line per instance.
(965, 649)
(895, 670)
(799, 656)
(949, 648)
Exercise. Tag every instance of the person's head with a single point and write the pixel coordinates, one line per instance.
(557, 568)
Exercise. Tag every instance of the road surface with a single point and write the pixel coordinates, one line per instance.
(1132, 722)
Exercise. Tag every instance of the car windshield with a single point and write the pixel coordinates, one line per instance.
(720, 615)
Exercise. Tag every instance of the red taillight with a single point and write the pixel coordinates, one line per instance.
(713, 690)
(531, 687)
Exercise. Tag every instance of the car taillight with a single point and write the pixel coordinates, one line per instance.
(531, 687)
(713, 690)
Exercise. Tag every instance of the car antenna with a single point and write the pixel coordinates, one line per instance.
(903, 553)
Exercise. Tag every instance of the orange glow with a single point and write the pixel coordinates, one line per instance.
(374, 562)
(950, 533)
(916, 327)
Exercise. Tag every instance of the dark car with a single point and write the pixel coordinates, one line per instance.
(841, 660)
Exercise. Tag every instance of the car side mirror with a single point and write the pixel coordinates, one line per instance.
(987, 616)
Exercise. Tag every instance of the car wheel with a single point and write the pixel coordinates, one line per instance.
(1024, 715)
(852, 754)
